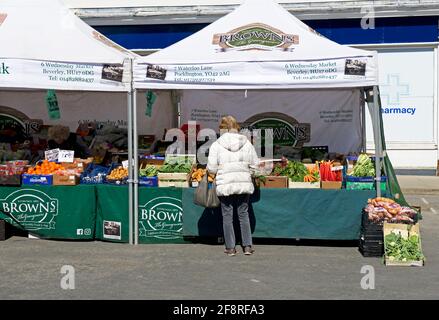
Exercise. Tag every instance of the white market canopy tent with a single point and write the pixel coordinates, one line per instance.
(259, 45)
(45, 46)
(287, 67)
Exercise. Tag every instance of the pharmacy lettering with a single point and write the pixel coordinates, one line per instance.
(255, 36)
(161, 218)
(30, 209)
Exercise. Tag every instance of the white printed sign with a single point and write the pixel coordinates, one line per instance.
(66, 156)
(56, 75)
(51, 155)
(303, 73)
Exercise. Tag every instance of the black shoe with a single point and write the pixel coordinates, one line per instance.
(248, 251)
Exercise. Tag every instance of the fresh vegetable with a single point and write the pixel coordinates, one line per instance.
(119, 173)
(398, 248)
(296, 171)
(313, 175)
(198, 175)
(364, 167)
(148, 170)
(177, 165)
(327, 172)
(384, 209)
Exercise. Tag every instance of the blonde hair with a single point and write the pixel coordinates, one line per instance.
(229, 123)
(58, 132)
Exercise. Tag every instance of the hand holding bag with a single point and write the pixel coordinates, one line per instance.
(205, 196)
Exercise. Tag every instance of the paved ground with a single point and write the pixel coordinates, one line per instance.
(30, 269)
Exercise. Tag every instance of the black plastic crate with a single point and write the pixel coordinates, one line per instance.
(372, 245)
(371, 254)
(372, 236)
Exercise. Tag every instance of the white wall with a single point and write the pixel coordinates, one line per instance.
(408, 81)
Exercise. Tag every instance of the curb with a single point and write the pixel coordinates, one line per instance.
(420, 191)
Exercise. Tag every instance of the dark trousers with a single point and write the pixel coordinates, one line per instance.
(240, 202)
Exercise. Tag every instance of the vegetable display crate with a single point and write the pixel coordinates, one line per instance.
(371, 242)
(403, 239)
(10, 180)
(149, 181)
(364, 183)
(43, 180)
(178, 180)
(117, 182)
(274, 182)
(67, 180)
(303, 185)
(331, 185)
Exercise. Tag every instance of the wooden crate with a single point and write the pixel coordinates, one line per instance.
(69, 180)
(179, 180)
(303, 185)
(406, 231)
(274, 182)
(331, 184)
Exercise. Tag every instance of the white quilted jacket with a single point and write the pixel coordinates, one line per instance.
(230, 157)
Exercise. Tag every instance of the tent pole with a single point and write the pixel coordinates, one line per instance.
(377, 135)
(363, 122)
(130, 166)
(136, 171)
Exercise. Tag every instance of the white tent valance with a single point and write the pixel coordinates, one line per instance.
(45, 46)
(259, 45)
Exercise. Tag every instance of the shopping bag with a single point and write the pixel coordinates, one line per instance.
(205, 196)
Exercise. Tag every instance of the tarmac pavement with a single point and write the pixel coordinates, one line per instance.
(31, 269)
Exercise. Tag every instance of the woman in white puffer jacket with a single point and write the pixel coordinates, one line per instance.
(231, 157)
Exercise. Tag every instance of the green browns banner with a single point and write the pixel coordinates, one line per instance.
(49, 212)
(160, 215)
(112, 221)
(288, 213)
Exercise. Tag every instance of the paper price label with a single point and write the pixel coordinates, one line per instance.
(51, 155)
(66, 156)
(125, 164)
(337, 168)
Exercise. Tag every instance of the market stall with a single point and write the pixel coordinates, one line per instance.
(271, 71)
(50, 60)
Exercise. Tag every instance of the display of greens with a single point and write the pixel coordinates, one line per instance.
(177, 165)
(296, 171)
(364, 167)
(148, 170)
(400, 249)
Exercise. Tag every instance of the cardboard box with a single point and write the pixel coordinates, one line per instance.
(274, 182)
(149, 181)
(406, 230)
(32, 179)
(331, 184)
(68, 180)
(10, 180)
(303, 185)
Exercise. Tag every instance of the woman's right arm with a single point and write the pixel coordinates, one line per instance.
(212, 160)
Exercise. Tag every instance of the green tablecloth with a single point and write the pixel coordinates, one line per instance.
(168, 214)
(288, 213)
(160, 214)
(51, 212)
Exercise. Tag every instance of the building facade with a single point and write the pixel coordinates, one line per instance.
(404, 32)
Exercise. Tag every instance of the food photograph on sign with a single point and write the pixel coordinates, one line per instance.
(112, 230)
